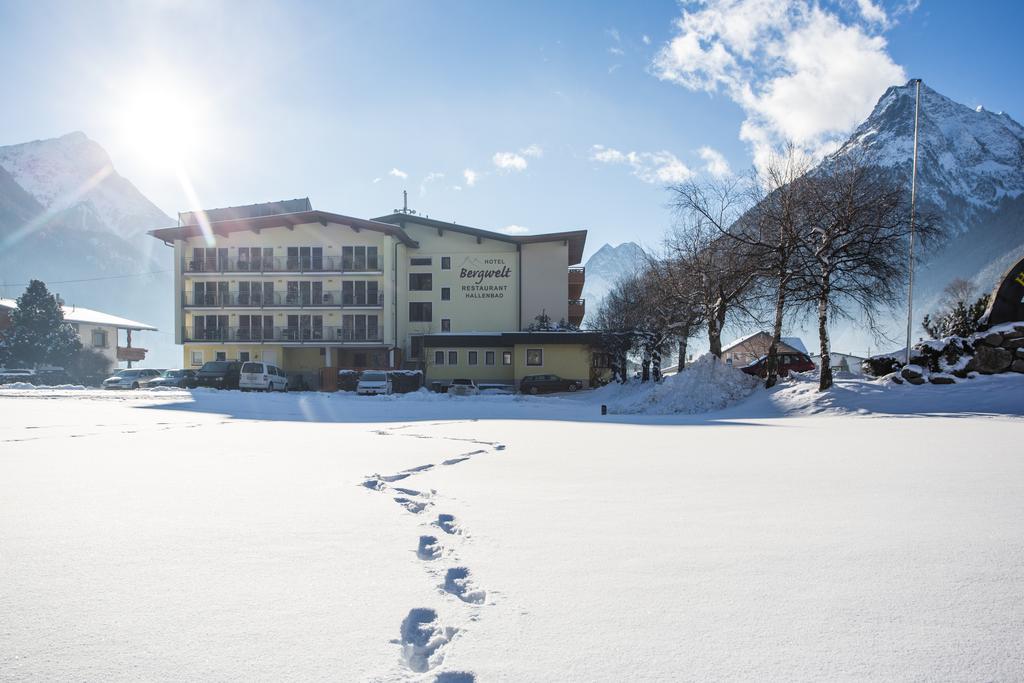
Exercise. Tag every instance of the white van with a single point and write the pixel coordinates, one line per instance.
(262, 377)
(373, 382)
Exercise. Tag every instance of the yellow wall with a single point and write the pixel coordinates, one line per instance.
(231, 351)
(568, 361)
(478, 373)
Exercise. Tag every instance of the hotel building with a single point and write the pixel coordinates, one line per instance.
(313, 291)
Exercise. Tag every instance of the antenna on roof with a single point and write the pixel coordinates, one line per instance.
(405, 205)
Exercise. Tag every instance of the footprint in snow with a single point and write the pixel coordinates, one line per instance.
(458, 582)
(413, 506)
(429, 548)
(455, 677)
(447, 524)
(423, 639)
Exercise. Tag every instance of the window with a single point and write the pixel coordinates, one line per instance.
(421, 261)
(255, 327)
(506, 358)
(488, 357)
(360, 293)
(446, 263)
(421, 282)
(360, 328)
(221, 355)
(453, 358)
(99, 339)
(535, 357)
(473, 356)
(438, 357)
(359, 259)
(197, 358)
(446, 294)
(446, 324)
(243, 356)
(420, 312)
(415, 347)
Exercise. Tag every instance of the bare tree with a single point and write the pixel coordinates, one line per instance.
(618, 319)
(853, 250)
(724, 271)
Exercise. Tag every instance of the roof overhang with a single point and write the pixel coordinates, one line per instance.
(576, 239)
(283, 220)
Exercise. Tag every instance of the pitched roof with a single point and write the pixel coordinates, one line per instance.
(577, 239)
(795, 343)
(280, 220)
(77, 314)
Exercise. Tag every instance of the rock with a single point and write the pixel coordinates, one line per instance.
(896, 379)
(941, 379)
(990, 360)
(1013, 342)
(1020, 353)
(916, 380)
(1017, 365)
(962, 373)
(992, 339)
(912, 372)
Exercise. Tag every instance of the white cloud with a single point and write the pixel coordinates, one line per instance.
(398, 174)
(431, 177)
(470, 175)
(376, 180)
(646, 38)
(509, 161)
(651, 167)
(617, 51)
(799, 71)
(533, 150)
(872, 12)
(514, 230)
(714, 163)
(613, 33)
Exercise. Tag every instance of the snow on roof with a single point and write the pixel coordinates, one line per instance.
(77, 314)
(795, 342)
(741, 340)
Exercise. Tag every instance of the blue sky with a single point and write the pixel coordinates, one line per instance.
(569, 115)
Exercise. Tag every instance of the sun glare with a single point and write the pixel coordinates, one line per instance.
(161, 125)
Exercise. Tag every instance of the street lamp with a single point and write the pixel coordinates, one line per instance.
(913, 200)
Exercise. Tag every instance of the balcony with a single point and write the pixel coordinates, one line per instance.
(327, 265)
(577, 309)
(333, 299)
(284, 335)
(131, 353)
(577, 278)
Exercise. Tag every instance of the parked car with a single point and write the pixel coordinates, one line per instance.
(372, 382)
(540, 384)
(218, 374)
(170, 378)
(8, 375)
(131, 379)
(262, 377)
(788, 362)
(463, 387)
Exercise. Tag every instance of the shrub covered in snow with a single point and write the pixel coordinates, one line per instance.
(706, 384)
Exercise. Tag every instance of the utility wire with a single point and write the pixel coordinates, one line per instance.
(88, 279)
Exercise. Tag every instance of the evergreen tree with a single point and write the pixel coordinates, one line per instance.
(38, 334)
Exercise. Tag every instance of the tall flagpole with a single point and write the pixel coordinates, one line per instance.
(913, 200)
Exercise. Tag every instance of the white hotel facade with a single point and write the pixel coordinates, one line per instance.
(309, 290)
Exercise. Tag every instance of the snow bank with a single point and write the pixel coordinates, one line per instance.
(707, 384)
(22, 386)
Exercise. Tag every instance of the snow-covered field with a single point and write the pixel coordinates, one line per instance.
(876, 532)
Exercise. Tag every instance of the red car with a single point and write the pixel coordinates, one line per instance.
(788, 362)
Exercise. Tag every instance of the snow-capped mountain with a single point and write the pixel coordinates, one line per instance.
(607, 265)
(970, 176)
(69, 219)
(74, 175)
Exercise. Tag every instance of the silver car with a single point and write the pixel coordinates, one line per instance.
(131, 379)
(463, 387)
